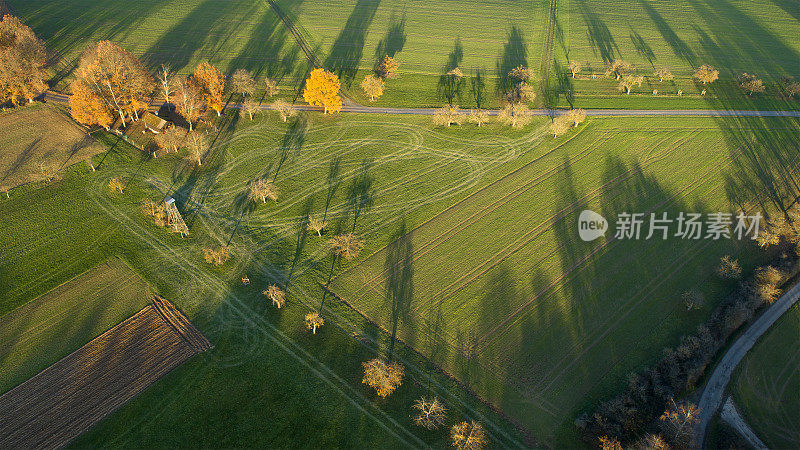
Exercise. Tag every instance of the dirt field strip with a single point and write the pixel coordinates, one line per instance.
(69, 397)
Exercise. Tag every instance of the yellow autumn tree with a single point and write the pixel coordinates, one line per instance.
(322, 89)
(22, 61)
(211, 83)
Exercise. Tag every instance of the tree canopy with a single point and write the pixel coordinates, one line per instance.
(322, 89)
(22, 61)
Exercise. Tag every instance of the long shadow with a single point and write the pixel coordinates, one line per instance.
(791, 7)
(600, 37)
(679, 47)
(515, 53)
(348, 48)
(394, 40)
(642, 47)
(292, 142)
(261, 55)
(399, 267)
(449, 86)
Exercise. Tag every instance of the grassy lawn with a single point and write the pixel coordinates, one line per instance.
(767, 384)
(265, 367)
(506, 298)
(48, 328)
(32, 152)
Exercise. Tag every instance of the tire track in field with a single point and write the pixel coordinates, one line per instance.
(527, 237)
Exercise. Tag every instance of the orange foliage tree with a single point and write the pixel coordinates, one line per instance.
(22, 61)
(322, 89)
(110, 75)
(212, 84)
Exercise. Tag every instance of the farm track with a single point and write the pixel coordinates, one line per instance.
(67, 398)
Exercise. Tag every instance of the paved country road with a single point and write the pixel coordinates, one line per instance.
(715, 387)
(61, 98)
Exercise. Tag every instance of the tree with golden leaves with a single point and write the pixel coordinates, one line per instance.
(313, 321)
(115, 185)
(212, 84)
(110, 74)
(468, 436)
(384, 377)
(88, 108)
(678, 422)
(322, 89)
(217, 256)
(373, 87)
(276, 295)
(22, 61)
(751, 83)
(768, 280)
(285, 109)
(515, 114)
(430, 412)
(260, 190)
(729, 268)
(188, 99)
(607, 443)
(387, 68)
(707, 74)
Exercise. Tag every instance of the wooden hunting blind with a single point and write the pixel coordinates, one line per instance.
(174, 218)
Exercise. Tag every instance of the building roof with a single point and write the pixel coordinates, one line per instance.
(153, 122)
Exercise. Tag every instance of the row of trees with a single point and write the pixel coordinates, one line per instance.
(374, 84)
(515, 115)
(647, 406)
(22, 62)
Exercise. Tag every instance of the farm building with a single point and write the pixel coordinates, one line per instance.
(154, 123)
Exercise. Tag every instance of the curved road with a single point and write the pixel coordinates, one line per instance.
(715, 387)
(62, 98)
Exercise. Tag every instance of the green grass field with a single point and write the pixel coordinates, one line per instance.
(506, 298)
(50, 327)
(265, 368)
(767, 384)
(32, 152)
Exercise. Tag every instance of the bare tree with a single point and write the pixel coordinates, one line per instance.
(317, 224)
(448, 115)
(373, 86)
(768, 280)
(166, 82)
(663, 74)
(751, 83)
(792, 89)
(478, 117)
(188, 99)
(576, 116)
(560, 126)
(431, 412)
(171, 139)
(707, 74)
(250, 107)
(382, 376)
(313, 321)
(628, 81)
(217, 256)
(260, 190)
(271, 87)
(276, 295)
(242, 82)
(678, 422)
(197, 144)
(285, 109)
(619, 68)
(115, 185)
(729, 268)
(693, 299)
(650, 442)
(468, 436)
(517, 115)
(347, 246)
(575, 67)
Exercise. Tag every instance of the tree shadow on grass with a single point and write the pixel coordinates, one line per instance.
(348, 48)
(679, 47)
(600, 37)
(515, 54)
(395, 39)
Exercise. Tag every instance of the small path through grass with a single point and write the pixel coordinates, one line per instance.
(715, 387)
